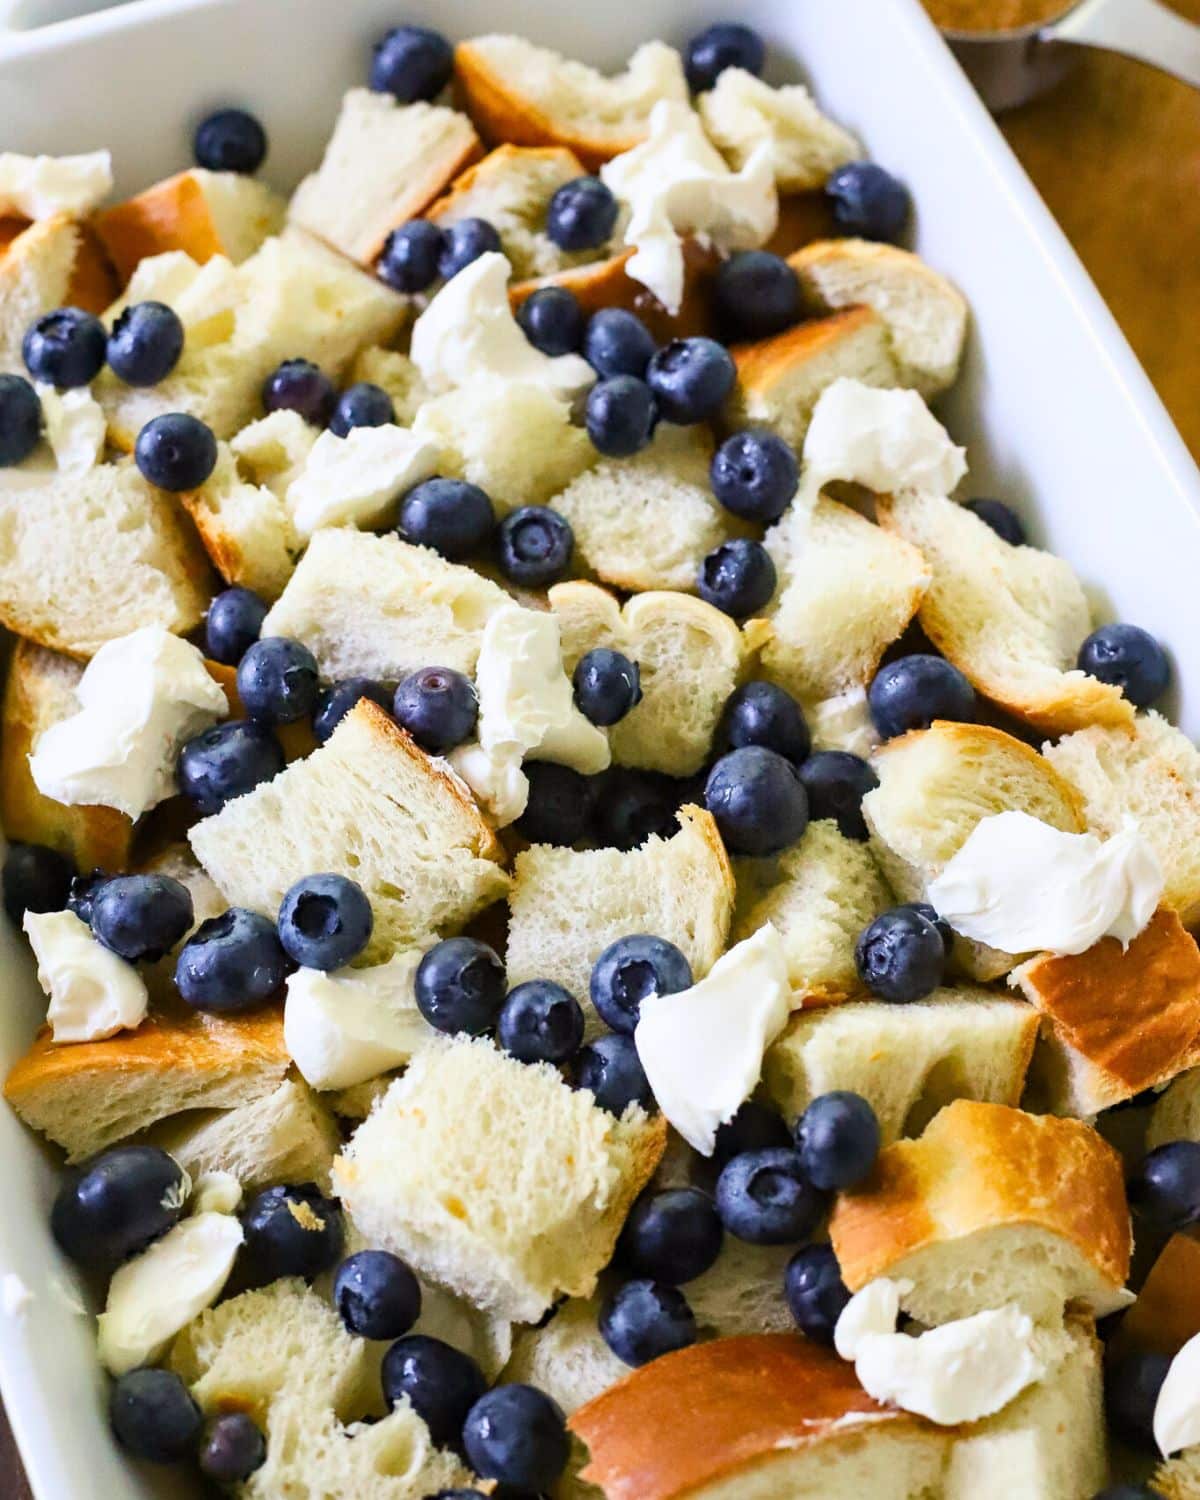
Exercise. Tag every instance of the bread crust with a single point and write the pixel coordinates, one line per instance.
(169, 215)
(765, 362)
(1167, 1312)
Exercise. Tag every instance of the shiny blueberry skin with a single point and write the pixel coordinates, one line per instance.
(466, 241)
(83, 892)
(176, 451)
(141, 916)
(231, 963)
(153, 1416)
(552, 320)
(645, 1319)
(582, 214)
(868, 201)
(560, 805)
(292, 1230)
(1001, 518)
(300, 386)
(837, 1140)
(20, 419)
(690, 379)
(451, 516)
(759, 713)
(673, 1235)
(227, 761)
(325, 921)
(758, 801)
(631, 969)
(611, 1069)
(65, 348)
(376, 1295)
(617, 342)
(442, 1384)
(36, 878)
(277, 680)
(145, 344)
(361, 405)
(540, 1022)
(411, 63)
(766, 1198)
(234, 1448)
(1165, 1190)
(628, 806)
(900, 956)
(836, 783)
(409, 262)
(815, 1291)
(945, 931)
(754, 475)
(738, 577)
(438, 706)
(518, 1435)
(334, 703)
(756, 294)
(534, 546)
(233, 624)
(1130, 658)
(1127, 1492)
(726, 44)
(620, 415)
(1131, 1387)
(231, 140)
(754, 1128)
(607, 685)
(912, 691)
(460, 986)
(117, 1204)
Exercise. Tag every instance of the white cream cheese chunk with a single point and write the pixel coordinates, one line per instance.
(357, 480)
(141, 697)
(216, 1193)
(500, 787)
(75, 427)
(843, 723)
(676, 182)
(38, 187)
(205, 297)
(702, 1049)
(157, 1294)
(1021, 886)
(468, 332)
(1177, 1409)
(93, 993)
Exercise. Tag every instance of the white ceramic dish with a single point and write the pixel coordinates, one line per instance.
(1057, 413)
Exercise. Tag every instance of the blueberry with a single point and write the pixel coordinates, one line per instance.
(1001, 518)
(451, 516)
(836, 783)
(1129, 658)
(754, 475)
(300, 386)
(117, 1204)
(334, 703)
(231, 140)
(65, 348)
(325, 921)
(441, 1383)
(234, 1448)
(759, 713)
(411, 63)
(292, 1230)
(376, 1295)
(607, 685)
(756, 294)
(1127, 1492)
(758, 801)
(559, 807)
(837, 1140)
(233, 624)
(673, 1236)
(766, 1198)
(754, 1128)
(277, 680)
(630, 806)
(690, 379)
(540, 1022)
(552, 320)
(176, 451)
(438, 706)
(518, 1435)
(534, 546)
(738, 577)
(900, 956)
(227, 761)
(617, 342)
(912, 691)
(582, 214)
(945, 931)
(868, 202)
(725, 44)
(1131, 1387)
(83, 892)
(815, 1291)
(141, 916)
(231, 963)
(465, 242)
(153, 1416)
(361, 405)
(611, 1069)
(409, 262)
(1165, 1190)
(620, 415)
(630, 970)
(645, 1319)
(36, 878)
(145, 344)
(20, 419)
(460, 986)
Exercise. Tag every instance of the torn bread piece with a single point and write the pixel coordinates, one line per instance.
(55, 262)
(740, 112)
(1176, 1114)
(40, 187)
(246, 528)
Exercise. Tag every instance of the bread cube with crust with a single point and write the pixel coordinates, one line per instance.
(246, 528)
(55, 262)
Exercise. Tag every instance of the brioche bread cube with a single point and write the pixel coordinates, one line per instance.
(385, 162)
(246, 528)
(740, 112)
(53, 263)
(541, 1221)
(373, 807)
(991, 1206)
(375, 606)
(567, 906)
(396, 374)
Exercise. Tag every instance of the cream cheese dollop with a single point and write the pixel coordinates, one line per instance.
(1177, 1409)
(93, 993)
(75, 427)
(358, 479)
(38, 187)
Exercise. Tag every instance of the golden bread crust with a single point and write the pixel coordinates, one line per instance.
(762, 364)
(1167, 1312)
(169, 215)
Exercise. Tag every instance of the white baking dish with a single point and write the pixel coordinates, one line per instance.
(1057, 413)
